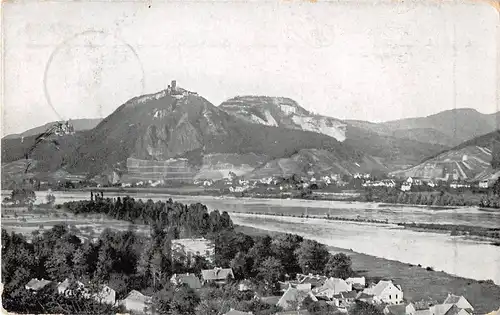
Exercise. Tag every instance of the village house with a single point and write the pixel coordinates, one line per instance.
(36, 285)
(238, 188)
(62, 287)
(448, 309)
(364, 297)
(459, 301)
(292, 299)
(385, 292)
(314, 280)
(389, 183)
(399, 309)
(456, 185)
(405, 187)
(105, 295)
(414, 181)
(217, 275)
(484, 184)
(135, 301)
(333, 286)
(344, 299)
(357, 283)
(189, 279)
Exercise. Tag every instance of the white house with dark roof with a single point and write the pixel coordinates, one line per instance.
(386, 292)
(136, 302)
(186, 278)
(217, 275)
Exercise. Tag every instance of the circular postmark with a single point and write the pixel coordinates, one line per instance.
(89, 73)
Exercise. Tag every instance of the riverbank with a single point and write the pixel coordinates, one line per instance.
(417, 282)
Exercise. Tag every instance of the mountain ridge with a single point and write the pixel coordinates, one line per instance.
(174, 133)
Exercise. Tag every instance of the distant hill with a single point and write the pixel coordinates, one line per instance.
(470, 160)
(450, 127)
(282, 112)
(317, 161)
(78, 124)
(177, 136)
(394, 152)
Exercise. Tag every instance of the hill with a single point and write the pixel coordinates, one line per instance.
(376, 140)
(174, 135)
(394, 152)
(471, 160)
(282, 112)
(450, 127)
(78, 125)
(316, 161)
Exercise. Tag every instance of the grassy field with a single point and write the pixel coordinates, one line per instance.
(417, 282)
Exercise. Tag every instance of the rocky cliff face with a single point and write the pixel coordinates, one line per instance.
(282, 112)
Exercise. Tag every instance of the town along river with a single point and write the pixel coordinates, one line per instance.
(458, 255)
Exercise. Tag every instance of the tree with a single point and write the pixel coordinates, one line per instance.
(496, 187)
(104, 263)
(260, 251)
(241, 265)
(184, 300)
(79, 263)
(339, 266)
(270, 271)
(283, 247)
(23, 196)
(495, 155)
(50, 198)
(312, 256)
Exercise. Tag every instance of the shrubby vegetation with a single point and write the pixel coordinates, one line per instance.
(21, 196)
(128, 261)
(489, 199)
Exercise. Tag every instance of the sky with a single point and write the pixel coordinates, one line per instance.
(364, 60)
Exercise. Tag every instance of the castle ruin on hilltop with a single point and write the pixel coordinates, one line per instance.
(178, 92)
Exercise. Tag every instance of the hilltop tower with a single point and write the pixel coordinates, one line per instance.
(173, 85)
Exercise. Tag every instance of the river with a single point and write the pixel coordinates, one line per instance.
(455, 255)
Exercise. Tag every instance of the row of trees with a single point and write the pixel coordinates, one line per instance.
(182, 220)
(393, 195)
